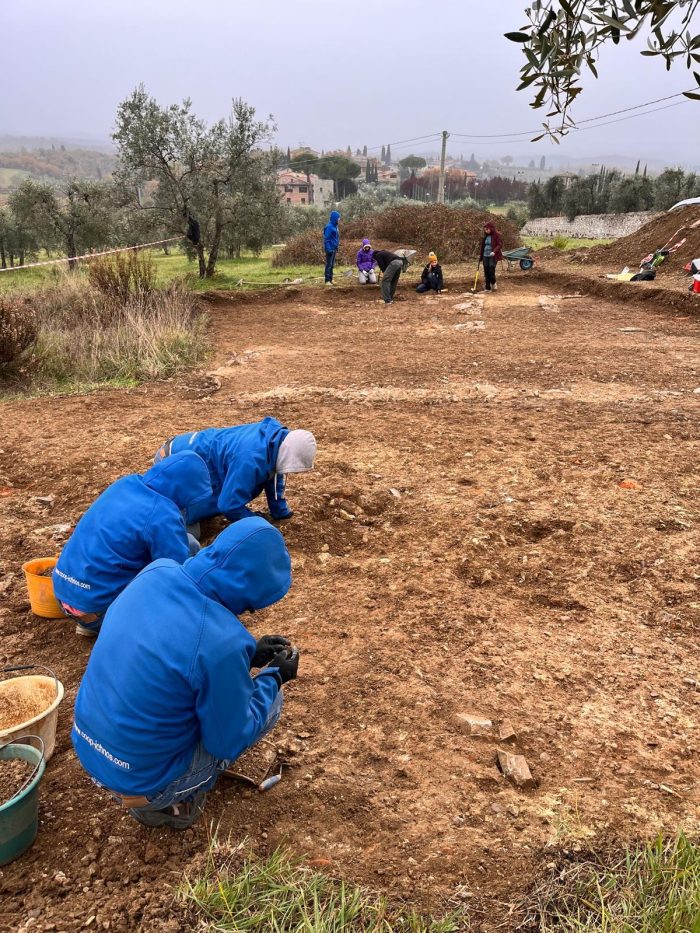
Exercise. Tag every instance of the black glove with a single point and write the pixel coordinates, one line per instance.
(286, 664)
(267, 647)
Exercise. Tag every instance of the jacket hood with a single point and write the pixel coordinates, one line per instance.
(247, 567)
(334, 218)
(366, 242)
(297, 452)
(182, 477)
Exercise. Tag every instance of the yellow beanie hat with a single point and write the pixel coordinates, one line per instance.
(432, 257)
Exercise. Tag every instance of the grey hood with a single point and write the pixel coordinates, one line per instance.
(296, 453)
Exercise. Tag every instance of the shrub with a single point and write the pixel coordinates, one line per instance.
(18, 327)
(84, 335)
(518, 215)
(124, 275)
(560, 241)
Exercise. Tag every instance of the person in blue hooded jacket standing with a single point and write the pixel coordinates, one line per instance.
(331, 242)
(135, 521)
(169, 700)
(243, 461)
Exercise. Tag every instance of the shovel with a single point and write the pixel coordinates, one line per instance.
(476, 277)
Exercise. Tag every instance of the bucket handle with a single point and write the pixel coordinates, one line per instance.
(31, 667)
(31, 777)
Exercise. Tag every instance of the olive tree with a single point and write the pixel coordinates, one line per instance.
(77, 216)
(195, 180)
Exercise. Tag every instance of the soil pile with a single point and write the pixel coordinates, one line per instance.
(453, 233)
(13, 773)
(23, 699)
(662, 231)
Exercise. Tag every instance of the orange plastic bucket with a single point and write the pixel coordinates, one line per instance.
(41, 596)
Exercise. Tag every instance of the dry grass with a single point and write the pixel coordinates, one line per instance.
(652, 889)
(103, 331)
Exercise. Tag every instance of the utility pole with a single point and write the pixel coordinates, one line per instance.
(441, 184)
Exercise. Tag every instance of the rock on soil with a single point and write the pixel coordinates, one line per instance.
(13, 773)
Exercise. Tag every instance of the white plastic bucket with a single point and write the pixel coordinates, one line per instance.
(38, 690)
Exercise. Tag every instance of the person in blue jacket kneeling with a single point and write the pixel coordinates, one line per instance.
(168, 700)
(243, 461)
(135, 521)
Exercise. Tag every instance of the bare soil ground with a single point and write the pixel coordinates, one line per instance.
(504, 521)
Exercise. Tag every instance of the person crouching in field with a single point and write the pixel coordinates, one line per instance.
(243, 461)
(365, 264)
(135, 521)
(331, 243)
(392, 266)
(169, 699)
(431, 276)
(490, 254)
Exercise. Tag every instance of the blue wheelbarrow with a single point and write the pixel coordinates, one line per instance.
(521, 256)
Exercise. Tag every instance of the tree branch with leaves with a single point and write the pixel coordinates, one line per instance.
(562, 38)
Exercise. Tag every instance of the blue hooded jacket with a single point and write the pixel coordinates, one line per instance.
(331, 234)
(241, 462)
(171, 667)
(135, 521)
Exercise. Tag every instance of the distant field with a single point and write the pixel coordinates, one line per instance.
(11, 176)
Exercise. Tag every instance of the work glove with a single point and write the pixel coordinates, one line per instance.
(267, 647)
(285, 665)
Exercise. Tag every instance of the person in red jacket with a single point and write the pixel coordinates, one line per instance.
(491, 253)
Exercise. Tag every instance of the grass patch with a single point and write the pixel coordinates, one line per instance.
(256, 271)
(651, 889)
(278, 894)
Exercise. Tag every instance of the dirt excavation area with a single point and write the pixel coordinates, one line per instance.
(498, 550)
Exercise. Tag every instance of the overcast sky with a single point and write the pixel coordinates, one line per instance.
(332, 74)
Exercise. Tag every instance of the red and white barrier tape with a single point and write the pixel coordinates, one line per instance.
(107, 252)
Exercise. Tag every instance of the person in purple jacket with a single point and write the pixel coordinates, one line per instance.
(365, 264)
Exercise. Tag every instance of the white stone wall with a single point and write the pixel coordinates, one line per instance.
(588, 226)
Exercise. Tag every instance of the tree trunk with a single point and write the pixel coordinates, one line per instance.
(12, 260)
(21, 257)
(216, 240)
(213, 254)
(70, 247)
(3, 258)
(202, 261)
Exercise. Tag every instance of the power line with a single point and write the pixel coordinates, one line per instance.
(634, 116)
(601, 116)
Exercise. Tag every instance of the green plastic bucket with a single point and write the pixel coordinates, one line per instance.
(19, 816)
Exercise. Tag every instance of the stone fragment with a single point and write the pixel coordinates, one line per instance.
(506, 733)
(474, 724)
(515, 768)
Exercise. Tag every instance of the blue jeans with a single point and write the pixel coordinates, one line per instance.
(200, 777)
(330, 262)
